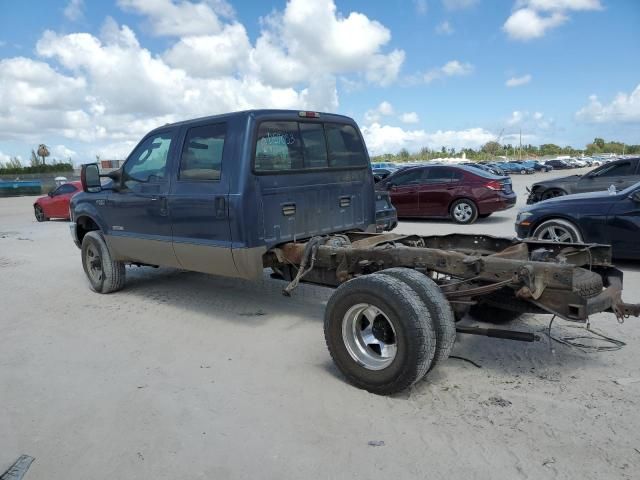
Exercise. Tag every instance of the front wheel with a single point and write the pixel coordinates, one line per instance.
(464, 211)
(379, 333)
(105, 274)
(558, 230)
(39, 213)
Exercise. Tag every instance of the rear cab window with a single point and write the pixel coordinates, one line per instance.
(293, 146)
(201, 157)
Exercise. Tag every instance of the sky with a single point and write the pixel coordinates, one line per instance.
(89, 77)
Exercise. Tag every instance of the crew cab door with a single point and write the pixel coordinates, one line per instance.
(136, 212)
(198, 201)
(621, 174)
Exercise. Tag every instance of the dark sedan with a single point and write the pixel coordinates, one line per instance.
(559, 164)
(621, 174)
(461, 193)
(597, 217)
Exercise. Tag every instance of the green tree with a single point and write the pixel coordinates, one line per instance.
(492, 148)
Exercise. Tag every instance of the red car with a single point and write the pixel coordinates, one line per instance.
(459, 192)
(56, 203)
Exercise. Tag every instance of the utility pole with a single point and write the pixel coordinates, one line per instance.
(520, 154)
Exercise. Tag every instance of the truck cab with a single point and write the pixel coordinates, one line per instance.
(215, 194)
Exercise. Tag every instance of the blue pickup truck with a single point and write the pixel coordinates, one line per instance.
(293, 192)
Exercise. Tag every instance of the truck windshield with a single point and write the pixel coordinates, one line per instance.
(292, 146)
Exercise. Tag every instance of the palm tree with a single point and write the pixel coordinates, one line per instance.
(43, 152)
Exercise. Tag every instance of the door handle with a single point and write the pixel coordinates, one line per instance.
(220, 207)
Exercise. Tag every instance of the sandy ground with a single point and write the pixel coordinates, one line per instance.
(183, 375)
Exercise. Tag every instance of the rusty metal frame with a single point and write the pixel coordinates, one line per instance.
(538, 272)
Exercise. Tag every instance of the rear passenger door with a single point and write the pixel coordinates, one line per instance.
(437, 191)
(199, 201)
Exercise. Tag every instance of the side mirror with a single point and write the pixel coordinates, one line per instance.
(50, 194)
(391, 186)
(90, 178)
(635, 196)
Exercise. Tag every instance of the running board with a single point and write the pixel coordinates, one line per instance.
(499, 333)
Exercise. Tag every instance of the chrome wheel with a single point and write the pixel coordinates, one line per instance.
(556, 233)
(369, 336)
(94, 264)
(463, 212)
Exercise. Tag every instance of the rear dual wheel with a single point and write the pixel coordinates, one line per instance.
(384, 331)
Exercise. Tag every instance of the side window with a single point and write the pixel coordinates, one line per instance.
(438, 175)
(413, 177)
(278, 147)
(345, 146)
(623, 168)
(314, 145)
(148, 162)
(201, 157)
(66, 188)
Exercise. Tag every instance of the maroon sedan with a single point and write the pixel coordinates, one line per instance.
(459, 192)
(56, 203)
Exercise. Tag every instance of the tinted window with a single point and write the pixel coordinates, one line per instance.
(345, 147)
(313, 145)
(66, 188)
(412, 177)
(201, 157)
(148, 162)
(438, 175)
(278, 147)
(622, 168)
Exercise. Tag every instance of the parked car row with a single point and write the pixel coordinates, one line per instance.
(459, 192)
(619, 173)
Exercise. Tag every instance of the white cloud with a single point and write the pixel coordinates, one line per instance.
(210, 55)
(387, 139)
(289, 51)
(576, 5)
(168, 18)
(61, 152)
(74, 10)
(458, 4)
(453, 68)
(385, 109)
(527, 24)
(518, 81)
(421, 6)
(624, 108)
(409, 117)
(531, 122)
(532, 18)
(108, 89)
(444, 28)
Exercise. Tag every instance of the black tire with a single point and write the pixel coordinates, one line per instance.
(39, 214)
(414, 333)
(552, 193)
(522, 172)
(464, 220)
(439, 308)
(490, 314)
(484, 215)
(105, 274)
(565, 231)
(587, 283)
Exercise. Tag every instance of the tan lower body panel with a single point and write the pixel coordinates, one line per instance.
(238, 263)
(143, 250)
